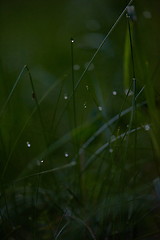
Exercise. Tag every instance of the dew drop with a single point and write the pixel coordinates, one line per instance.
(85, 106)
(72, 40)
(147, 127)
(65, 96)
(131, 12)
(28, 144)
(87, 87)
(66, 154)
(100, 108)
(114, 93)
(42, 161)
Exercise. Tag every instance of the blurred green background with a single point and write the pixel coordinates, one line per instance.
(38, 33)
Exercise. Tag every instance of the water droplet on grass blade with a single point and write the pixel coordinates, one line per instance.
(100, 108)
(114, 93)
(28, 144)
(66, 154)
(131, 12)
(65, 96)
(72, 40)
(147, 127)
(85, 106)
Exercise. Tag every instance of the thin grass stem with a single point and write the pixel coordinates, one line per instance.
(95, 54)
(73, 84)
(72, 164)
(12, 91)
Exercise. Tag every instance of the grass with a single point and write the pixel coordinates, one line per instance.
(75, 166)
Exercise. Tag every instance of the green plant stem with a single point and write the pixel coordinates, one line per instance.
(75, 123)
(37, 104)
(94, 55)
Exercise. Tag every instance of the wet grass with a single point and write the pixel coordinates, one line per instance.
(75, 166)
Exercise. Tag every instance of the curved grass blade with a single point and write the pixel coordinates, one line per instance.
(102, 43)
(95, 54)
(25, 124)
(106, 125)
(72, 164)
(103, 147)
(12, 91)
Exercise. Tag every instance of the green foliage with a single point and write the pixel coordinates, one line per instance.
(79, 153)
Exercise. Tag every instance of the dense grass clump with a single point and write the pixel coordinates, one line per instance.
(79, 154)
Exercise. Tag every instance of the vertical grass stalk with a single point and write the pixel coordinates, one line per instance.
(95, 54)
(73, 83)
(46, 141)
(133, 113)
(75, 119)
(37, 104)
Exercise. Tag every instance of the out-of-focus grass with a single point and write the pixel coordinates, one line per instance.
(79, 152)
